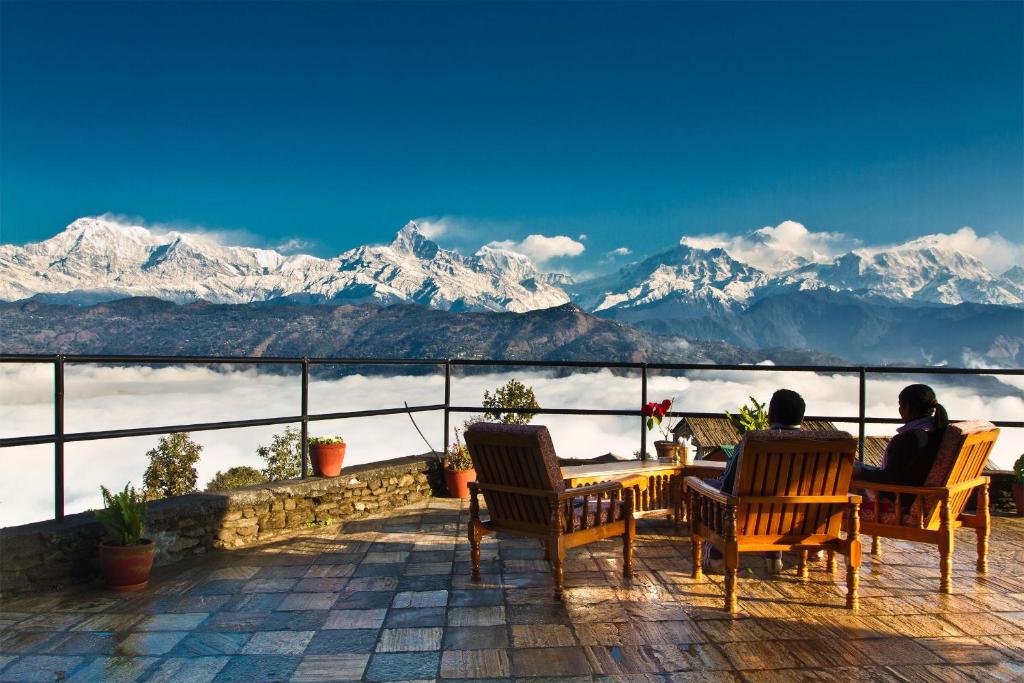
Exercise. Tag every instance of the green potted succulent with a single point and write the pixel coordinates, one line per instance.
(458, 469)
(125, 557)
(1018, 484)
(326, 453)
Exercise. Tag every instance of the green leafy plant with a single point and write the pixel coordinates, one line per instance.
(749, 417)
(1018, 470)
(283, 457)
(123, 516)
(513, 394)
(325, 440)
(172, 467)
(235, 477)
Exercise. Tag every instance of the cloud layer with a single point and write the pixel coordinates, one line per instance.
(773, 249)
(109, 398)
(541, 248)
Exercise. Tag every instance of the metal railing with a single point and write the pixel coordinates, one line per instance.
(59, 437)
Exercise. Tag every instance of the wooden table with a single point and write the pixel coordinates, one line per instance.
(657, 486)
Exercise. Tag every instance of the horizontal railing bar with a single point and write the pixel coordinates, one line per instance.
(207, 426)
(547, 411)
(268, 360)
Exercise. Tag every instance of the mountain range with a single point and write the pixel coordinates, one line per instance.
(920, 301)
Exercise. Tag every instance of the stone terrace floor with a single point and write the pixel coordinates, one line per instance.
(389, 599)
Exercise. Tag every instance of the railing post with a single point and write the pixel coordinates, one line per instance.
(305, 416)
(447, 402)
(58, 440)
(643, 402)
(863, 411)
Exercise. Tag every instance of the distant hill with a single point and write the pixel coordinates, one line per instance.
(146, 325)
(869, 331)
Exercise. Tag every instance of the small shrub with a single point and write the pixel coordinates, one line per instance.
(514, 394)
(283, 456)
(172, 467)
(235, 478)
(1018, 470)
(123, 516)
(457, 458)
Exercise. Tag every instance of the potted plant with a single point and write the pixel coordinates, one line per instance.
(125, 557)
(1018, 484)
(749, 417)
(326, 454)
(458, 469)
(669, 449)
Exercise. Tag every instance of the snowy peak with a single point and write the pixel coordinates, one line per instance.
(98, 259)
(410, 240)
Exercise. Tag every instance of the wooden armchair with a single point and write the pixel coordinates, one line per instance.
(790, 493)
(521, 482)
(938, 506)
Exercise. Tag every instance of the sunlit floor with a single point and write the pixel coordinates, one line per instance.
(389, 599)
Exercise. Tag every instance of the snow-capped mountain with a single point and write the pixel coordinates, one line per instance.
(922, 270)
(97, 259)
(707, 280)
(687, 281)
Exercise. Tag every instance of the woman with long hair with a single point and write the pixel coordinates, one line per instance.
(911, 452)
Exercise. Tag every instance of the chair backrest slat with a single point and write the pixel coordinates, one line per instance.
(515, 455)
(962, 454)
(793, 463)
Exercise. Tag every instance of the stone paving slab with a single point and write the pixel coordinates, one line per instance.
(389, 599)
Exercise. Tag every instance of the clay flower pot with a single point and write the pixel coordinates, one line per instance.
(327, 458)
(457, 482)
(127, 567)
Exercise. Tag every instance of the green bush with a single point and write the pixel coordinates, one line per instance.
(123, 516)
(1018, 470)
(749, 417)
(514, 394)
(172, 467)
(235, 478)
(283, 456)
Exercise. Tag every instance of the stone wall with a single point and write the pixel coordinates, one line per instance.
(53, 554)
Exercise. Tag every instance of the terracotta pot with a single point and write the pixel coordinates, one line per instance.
(457, 482)
(1018, 497)
(327, 459)
(668, 450)
(127, 567)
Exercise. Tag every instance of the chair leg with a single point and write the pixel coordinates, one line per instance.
(627, 547)
(876, 546)
(731, 570)
(802, 564)
(830, 563)
(983, 529)
(556, 572)
(474, 550)
(945, 549)
(697, 553)
(853, 574)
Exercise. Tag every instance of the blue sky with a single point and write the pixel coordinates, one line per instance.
(336, 123)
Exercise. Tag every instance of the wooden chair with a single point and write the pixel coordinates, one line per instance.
(938, 506)
(518, 473)
(790, 493)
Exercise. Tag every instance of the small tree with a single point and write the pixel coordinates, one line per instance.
(514, 394)
(283, 456)
(235, 477)
(172, 467)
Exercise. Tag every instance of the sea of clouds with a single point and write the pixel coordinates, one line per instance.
(99, 398)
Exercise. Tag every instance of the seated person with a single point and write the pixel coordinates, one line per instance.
(911, 452)
(785, 411)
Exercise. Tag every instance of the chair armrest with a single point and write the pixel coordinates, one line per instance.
(590, 489)
(702, 488)
(972, 484)
(796, 500)
(942, 491)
